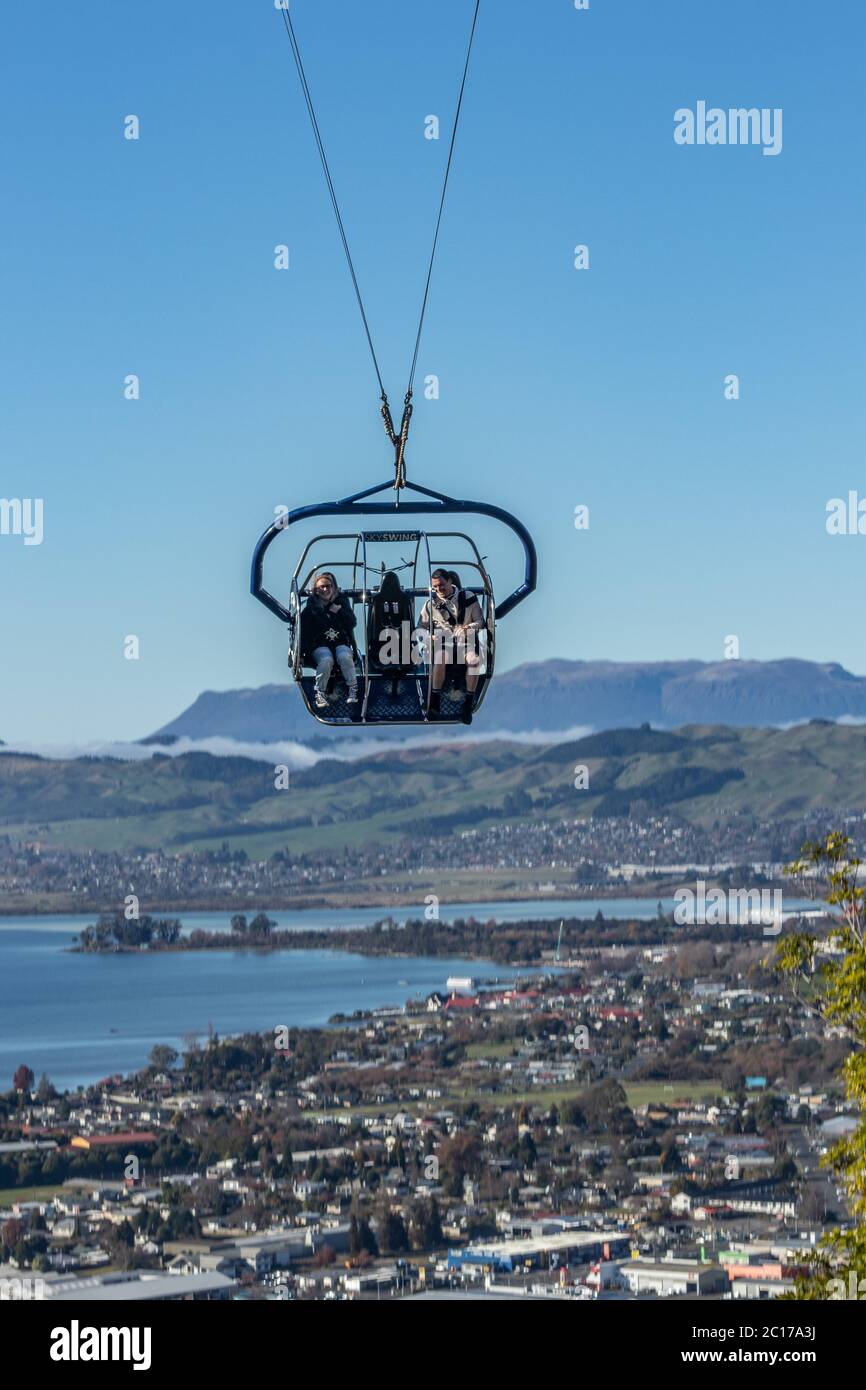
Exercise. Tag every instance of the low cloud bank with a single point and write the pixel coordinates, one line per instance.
(290, 753)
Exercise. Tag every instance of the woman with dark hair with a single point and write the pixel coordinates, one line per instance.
(389, 630)
(327, 625)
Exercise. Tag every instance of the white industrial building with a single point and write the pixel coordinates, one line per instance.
(674, 1278)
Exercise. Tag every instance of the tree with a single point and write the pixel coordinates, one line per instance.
(125, 1234)
(812, 1206)
(733, 1080)
(44, 1091)
(481, 1227)
(239, 924)
(620, 1177)
(459, 1158)
(768, 1110)
(361, 1237)
(572, 1114)
(162, 1057)
(658, 1027)
(605, 1107)
(426, 1226)
(697, 958)
(167, 930)
(834, 991)
(11, 1232)
(526, 1152)
(785, 1170)
(23, 1079)
(393, 1236)
(669, 1160)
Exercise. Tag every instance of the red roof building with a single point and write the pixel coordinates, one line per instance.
(112, 1141)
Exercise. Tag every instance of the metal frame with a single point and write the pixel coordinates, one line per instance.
(441, 506)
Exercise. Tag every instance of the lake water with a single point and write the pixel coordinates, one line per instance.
(82, 1017)
(541, 908)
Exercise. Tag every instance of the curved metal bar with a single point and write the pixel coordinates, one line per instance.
(441, 506)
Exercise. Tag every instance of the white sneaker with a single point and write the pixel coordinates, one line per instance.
(352, 697)
(321, 700)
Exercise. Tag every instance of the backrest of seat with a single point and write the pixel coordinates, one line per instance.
(389, 608)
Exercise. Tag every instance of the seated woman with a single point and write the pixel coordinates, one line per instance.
(327, 627)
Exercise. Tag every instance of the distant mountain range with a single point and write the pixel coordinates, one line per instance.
(556, 695)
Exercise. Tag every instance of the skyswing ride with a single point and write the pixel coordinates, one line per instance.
(397, 683)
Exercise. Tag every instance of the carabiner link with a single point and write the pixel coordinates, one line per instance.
(398, 440)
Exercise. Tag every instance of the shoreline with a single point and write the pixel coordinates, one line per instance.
(66, 906)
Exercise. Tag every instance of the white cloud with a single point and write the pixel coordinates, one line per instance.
(292, 754)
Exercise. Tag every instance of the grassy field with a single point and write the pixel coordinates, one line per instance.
(664, 1092)
(489, 1051)
(640, 1093)
(9, 1195)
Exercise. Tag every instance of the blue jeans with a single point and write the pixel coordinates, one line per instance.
(324, 660)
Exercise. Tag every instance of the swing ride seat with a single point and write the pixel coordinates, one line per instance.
(378, 702)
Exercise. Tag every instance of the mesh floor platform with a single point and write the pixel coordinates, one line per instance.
(407, 706)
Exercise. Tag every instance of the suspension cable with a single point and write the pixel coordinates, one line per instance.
(290, 30)
(442, 202)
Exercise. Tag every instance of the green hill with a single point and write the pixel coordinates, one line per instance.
(197, 800)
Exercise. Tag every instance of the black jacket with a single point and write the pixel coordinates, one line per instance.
(322, 628)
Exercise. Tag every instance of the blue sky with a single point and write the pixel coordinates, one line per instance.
(558, 387)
